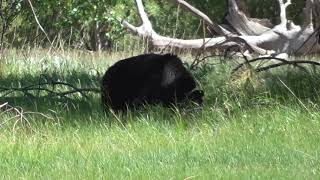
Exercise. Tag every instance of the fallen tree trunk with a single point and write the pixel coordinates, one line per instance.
(285, 37)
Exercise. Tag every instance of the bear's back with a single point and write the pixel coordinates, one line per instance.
(147, 78)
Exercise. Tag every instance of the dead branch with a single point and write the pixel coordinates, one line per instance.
(198, 60)
(41, 87)
(295, 63)
(146, 31)
(243, 25)
(282, 62)
(18, 115)
(216, 27)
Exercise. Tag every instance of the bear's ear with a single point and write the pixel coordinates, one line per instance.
(170, 56)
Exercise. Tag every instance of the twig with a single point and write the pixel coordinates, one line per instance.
(283, 62)
(200, 51)
(37, 21)
(197, 61)
(39, 87)
(19, 115)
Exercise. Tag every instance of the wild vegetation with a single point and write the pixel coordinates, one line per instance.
(252, 125)
(260, 118)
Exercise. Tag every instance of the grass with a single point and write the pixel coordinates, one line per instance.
(252, 126)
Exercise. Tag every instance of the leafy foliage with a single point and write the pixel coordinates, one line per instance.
(8, 12)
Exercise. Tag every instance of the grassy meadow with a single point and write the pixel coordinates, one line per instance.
(251, 126)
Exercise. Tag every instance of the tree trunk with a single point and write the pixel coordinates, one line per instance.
(257, 35)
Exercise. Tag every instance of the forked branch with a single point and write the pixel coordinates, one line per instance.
(146, 31)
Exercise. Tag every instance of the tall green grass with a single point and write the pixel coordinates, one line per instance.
(251, 126)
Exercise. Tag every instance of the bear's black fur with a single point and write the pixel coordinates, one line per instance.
(148, 78)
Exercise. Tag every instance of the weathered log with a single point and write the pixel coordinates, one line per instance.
(285, 37)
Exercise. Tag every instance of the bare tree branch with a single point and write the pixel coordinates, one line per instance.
(51, 92)
(36, 18)
(146, 31)
(18, 115)
(219, 29)
(283, 12)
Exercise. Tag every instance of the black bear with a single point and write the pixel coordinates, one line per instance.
(148, 78)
